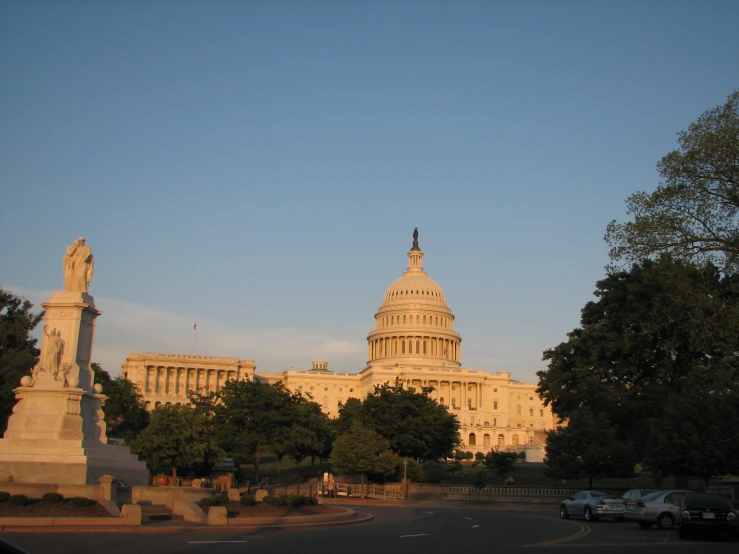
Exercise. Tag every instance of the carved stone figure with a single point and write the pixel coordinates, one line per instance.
(78, 267)
(415, 239)
(52, 349)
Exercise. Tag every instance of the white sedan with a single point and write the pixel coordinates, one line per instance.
(592, 505)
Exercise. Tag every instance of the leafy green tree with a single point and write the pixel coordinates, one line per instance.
(650, 332)
(310, 432)
(415, 424)
(696, 434)
(480, 479)
(248, 417)
(349, 412)
(125, 409)
(178, 437)
(18, 352)
(502, 463)
(693, 213)
(361, 450)
(588, 447)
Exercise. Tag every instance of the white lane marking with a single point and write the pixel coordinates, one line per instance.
(475, 526)
(666, 537)
(213, 542)
(427, 513)
(468, 518)
(418, 535)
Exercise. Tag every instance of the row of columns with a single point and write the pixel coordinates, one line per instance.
(443, 389)
(177, 381)
(430, 347)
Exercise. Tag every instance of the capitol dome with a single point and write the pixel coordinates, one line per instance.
(414, 325)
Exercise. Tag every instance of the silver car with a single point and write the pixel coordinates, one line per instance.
(659, 508)
(592, 505)
(631, 496)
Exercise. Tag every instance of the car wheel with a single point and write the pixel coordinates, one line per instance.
(665, 521)
(644, 525)
(563, 512)
(589, 515)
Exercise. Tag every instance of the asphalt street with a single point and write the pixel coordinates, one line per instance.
(395, 530)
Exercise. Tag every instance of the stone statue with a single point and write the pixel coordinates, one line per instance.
(78, 267)
(52, 349)
(415, 239)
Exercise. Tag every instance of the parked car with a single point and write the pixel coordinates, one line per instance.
(729, 490)
(659, 508)
(707, 513)
(592, 505)
(630, 497)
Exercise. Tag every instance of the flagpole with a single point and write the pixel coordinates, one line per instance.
(194, 332)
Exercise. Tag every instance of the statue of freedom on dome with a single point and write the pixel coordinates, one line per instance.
(415, 238)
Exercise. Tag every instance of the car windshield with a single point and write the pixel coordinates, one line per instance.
(651, 496)
(710, 499)
(598, 494)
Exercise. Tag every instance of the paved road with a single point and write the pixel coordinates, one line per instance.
(395, 530)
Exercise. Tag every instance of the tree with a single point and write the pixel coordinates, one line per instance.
(248, 417)
(125, 410)
(651, 331)
(588, 447)
(696, 434)
(361, 450)
(415, 424)
(693, 213)
(178, 437)
(18, 352)
(502, 463)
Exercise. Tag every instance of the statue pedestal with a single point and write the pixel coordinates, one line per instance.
(57, 433)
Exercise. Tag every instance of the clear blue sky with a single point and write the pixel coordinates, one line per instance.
(259, 166)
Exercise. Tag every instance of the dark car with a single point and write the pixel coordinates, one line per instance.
(707, 513)
(729, 490)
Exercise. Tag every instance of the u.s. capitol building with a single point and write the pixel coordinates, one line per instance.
(413, 341)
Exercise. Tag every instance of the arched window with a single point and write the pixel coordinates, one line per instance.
(472, 439)
(157, 404)
(514, 440)
(418, 318)
(501, 440)
(403, 319)
(441, 400)
(418, 347)
(325, 401)
(424, 347)
(402, 347)
(486, 439)
(424, 320)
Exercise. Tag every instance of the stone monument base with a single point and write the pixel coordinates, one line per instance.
(68, 463)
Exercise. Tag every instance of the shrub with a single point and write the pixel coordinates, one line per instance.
(81, 501)
(248, 500)
(54, 497)
(205, 502)
(275, 500)
(4, 496)
(20, 500)
(220, 499)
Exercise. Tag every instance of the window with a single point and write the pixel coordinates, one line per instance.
(531, 411)
(472, 439)
(514, 440)
(472, 420)
(541, 413)
(418, 318)
(351, 390)
(486, 439)
(403, 319)
(501, 440)
(402, 350)
(487, 423)
(424, 347)
(300, 387)
(325, 388)
(531, 397)
(418, 346)
(325, 401)
(441, 400)
(311, 387)
(424, 320)
(495, 404)
(495, 390)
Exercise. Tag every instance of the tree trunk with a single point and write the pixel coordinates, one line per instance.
(257, 459)
(279, 465)
(174, 475)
